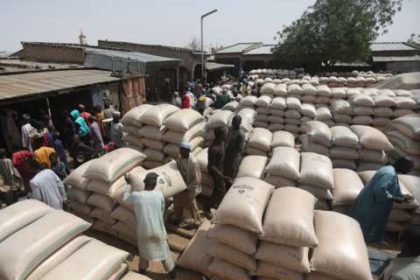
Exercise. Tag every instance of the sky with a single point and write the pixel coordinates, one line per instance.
(165, 22)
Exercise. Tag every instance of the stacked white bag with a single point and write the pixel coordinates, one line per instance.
(288, 233)
(219, 118)
(276, 113)
(132, 125)
(260, 142)
(262, 118)
(347, 186)
(412, 183)
(316, 137)
(292, 114)
(238, 222)
(207, 183)
(362, 108)
(404, 134)
(282, 139)
(344, 147)
(283, 168)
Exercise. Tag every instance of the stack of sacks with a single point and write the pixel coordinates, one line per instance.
(220, 118)
(248, 118)
(238, 222)
(342, 112)
(152, 133)
(280, 90)
(186, 125)
(341, 252)
(231, 106)
(316, 137)
(248, 101)
(404, 134)
(308, 93)
(404, 105)
(373, 147)
(412, 183)
(283, 168)
(323, 114)
(207, 183)
(282, 139)
(382, 112)
(268, 89)
(107, 183)
(262, 118)
(276, 114)
(294, 90)
(308, 112)
(401, 213)
(260, 142)
(292, 115)
(316, 175)
(132, 125)
(344, 149)
(252, 166)
(288, 233)
(347, 186)
(362, 109)
(323, 93)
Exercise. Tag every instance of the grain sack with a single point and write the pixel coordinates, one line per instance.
(231, 106)
(380, 123)
(152, 132)
(183, 120)
(371, 138)
(405, 143)
(248, 101)
(338, 93)
(322, 100)
(156, 115)
(220, 119)
(384, 101)
(344, 163)
(126, 230)
(283, 138)
(80, 208)
(280, 90)
(275, 119)
(289, 218)
(252, 166)
(395, 226)
(279, 182)
(344, 153)
(318, 132)
(124, 215)
(285, 162)
(403, 102)
(341, 252)
(408, 125)
(308, 89)
(293, 103)
(261, 118)
(375, 156)
(276, 112)
(295, 122)
(294, 89)
(341, 106)
(292, 114)
(318, 276)
(275, 272)
(21, 252)
(412, 184)
(95, 259)
(117, 274)
(102, 215)
(402, 112)
(134, 276)
(201, 159)
(316, 170)
(244, 204)
(362, 100)
(308, 98)
(347, 186)
(319, 193)
(360, 111)
(293, 258)
(237, 238)
(101, 201)
(352, 92)
(263, 101)
(261, 139)
(58, 257)
(309, 146)
(152, 143)
(323, 90)
(111, 190)
(365, 165)
(278, 103)
(78, 195)
(400, 216)
(403, 92)
(133, 116)
(76, 178)
(227, 270)
(273, 127)
(152, 154)
(342, 119)
(232, 255)
(248, 117)
(383, 112)
(323, 114)
(194, 256)
(21, 214)
(308, 110)
(114, 164)
(362, 120)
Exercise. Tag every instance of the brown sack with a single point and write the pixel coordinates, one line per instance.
(408, 125)
(225, 269)
(102, 215)
(78, 195)
(347, 186)
(318, 132)
(341, 252)
(285, 162)
(316, 170)
(244, 204)
(237, 238)
(289, 218)
(319, 193)
(232, 255)
(371, 138)
(275, 272)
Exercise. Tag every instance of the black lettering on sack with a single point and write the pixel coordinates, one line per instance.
(242, 188)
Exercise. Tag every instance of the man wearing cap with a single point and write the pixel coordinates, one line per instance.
(117, 130)
(149, 207)
(190, 172)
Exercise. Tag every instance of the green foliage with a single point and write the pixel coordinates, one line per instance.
(336, 30)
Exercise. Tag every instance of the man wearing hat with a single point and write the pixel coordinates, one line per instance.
(149, 207)
(190, 172)
(117, 130)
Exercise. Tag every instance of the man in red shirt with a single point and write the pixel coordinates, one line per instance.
(85, 115)
(186, 102)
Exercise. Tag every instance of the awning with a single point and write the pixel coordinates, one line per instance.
(396, 58)
(212, 66)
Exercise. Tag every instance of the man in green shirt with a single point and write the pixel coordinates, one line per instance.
(235, 145)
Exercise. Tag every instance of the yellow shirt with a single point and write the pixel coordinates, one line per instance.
(42, 155)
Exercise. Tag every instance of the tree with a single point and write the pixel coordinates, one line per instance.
(194, 44)
(414, 40)
(336, 30)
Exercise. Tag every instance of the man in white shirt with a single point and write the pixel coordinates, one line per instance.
(26, 130)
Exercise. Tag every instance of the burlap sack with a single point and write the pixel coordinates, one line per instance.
(152, 132)
(261, 124)
(58, 257)
(308, 98)
(268, 89)
(231, 106)
(316, 170)
(79, 208)
(310, 146)
(273, 127)
(296, 122)
(371, 138)
(293, 258)
(261, 139)
(114, 164)
(150, 164)
(283, 139)
(318, 132)
(232, 255)
(248, 117)
(244, 204)
(18, 215)
(374, 156)
(362, 120)
(404, 102)
(308, 89)
(341, 252)
(101, 226)
(242, 240)
(96, 259)
(409, 145)
(152, 143)
(133, 116)
(21, 252)
(344, 153)
(261, 118)
(380, 122)
(195, 257)
(183, 120)
(402, 112)
(101, 201)
(347, 186)
(289, 218)
(365, 165)
(276, 112)
(323, 114)
(173, 149)
(352, 92)
(111, 190)
(221, 118)
(285, 162)
(293, 103)
(319, 193)
(322, 100)
(276, 272)
(152, 154)
(263, 101)
(412, 184)
(156, 115)
(292, 114)
(278, 103)
(308, 110)
(323, 90)
(383, 112)
(279, 182)
(384, 101)
(318, 276)
(76, 178)
(408, 125)
(78, 195)
(362, 110)
(102, 215)
(338, 93)
(343, 136)
(252, 166)
(294, 89)
(344, 163)
(125, 215)
(225, 269)
(280, 90)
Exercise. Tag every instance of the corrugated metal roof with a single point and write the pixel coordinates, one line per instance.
(396, 58)
(238, 48)
(390, 46)
(143, 57)
(266, 49)
(211, 66)
(27, 84)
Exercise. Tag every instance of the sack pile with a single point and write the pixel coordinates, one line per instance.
(401, 213)
(238, 222)
(283, 168)
(276, 113)
(207, 183)
(404, 134)
(344, 147)
(262, 104)
(347, 186)
(412, 184)
(282, 138)
(219, 118)
(260, 142)
(316, 137)
(132, 125)
(252, 166)
(288, 233)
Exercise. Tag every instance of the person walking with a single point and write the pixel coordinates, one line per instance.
(117, 130)
(149, 208)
